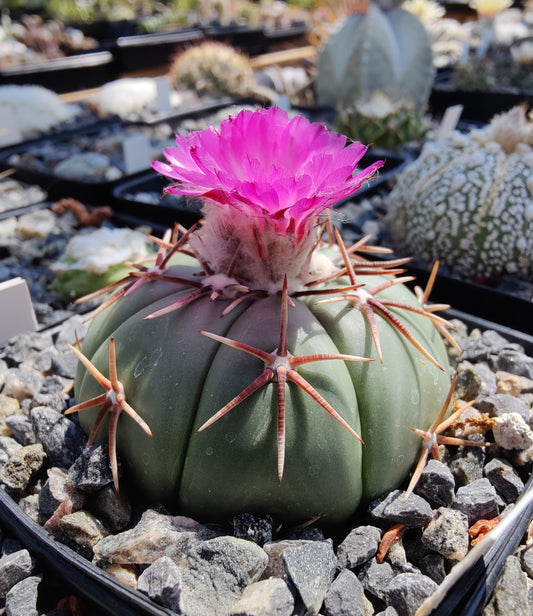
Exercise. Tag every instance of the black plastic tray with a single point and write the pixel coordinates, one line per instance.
(144, 51)
(78, 72)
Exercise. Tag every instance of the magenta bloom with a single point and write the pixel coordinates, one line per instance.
(265, 165)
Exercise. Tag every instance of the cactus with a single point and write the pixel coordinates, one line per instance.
(389, 52)
(468, 201)
(213, 68)
(250, 386)
(381, 122)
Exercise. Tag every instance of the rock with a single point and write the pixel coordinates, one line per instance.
(436, 484)
(358, 547)
(510, 594)
(21, 429)
(22, 383)
(434, 566)
(514, 361)
(21, 467)
(474, 380)
(270, 597)
(395, 508)
(112, 509)
(8, 406)
(376, 577)
(8, 446)
(511, 431)
(25, 346)
(345, 596)
(467, 465)
(526, 559)
(71, 329)
(14, 568)
(154, 536)
(407, 591)
(478, 500)
(253, 528)
(161, 581)
(502, 404)
(62, 439)
(216, 572)
(81, 531)
(311, 569)
(274, 551)
(447, 534)
(21, 600)
(92, 470)
(56, 492)
(504, 478)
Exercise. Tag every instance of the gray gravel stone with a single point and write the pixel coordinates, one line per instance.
(407, 591)
(21, 467)
(270, 597)
(62, 439)
(26, 345)
(91, 471)
(360, 545)
(274, 551)
(112, 509)
(253, 528)
(504, 478)
(501, 404)
(447, 534)
(14, 568)
(345, 596)
(513, 361)
(161, 581)
(81, 531)
(434, 566)
(217, 572)
(311, 568)
(376, 577)
(510, 595)
(467, 465)
(21, 429)
(526, 557)
(478, 500)
(21, 600)
(23, 383)
(395, 508)
(436, 484)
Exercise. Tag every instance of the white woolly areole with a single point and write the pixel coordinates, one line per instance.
(258, 255)
(97, 251)
(36, 109)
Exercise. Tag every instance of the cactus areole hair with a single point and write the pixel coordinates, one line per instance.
(260, 368)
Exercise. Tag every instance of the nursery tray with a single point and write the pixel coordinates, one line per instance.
(144, 51)
(478, 105)
(78, 72)
(35, 161)
(250, 41)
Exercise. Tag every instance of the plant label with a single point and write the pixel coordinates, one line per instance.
(163, 95)
(9, 130)
(137, 153)
(16, 309)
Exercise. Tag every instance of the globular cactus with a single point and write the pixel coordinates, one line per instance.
(383, 123)
(213, 68)
(376, 51)
(468, 201)
(242, 355)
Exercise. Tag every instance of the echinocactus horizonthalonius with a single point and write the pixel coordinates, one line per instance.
(468, 201)
(254, 359)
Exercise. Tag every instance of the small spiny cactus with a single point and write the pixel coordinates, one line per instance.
(468, 201)
(254, 359)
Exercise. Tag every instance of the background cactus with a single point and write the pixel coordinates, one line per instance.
(376, 51)
(181, 381)
(468, 201)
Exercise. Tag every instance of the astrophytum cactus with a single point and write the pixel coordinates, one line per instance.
(468, 201)
(253, 359)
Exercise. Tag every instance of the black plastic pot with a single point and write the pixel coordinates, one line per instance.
(477, 105)
(144, 51)
(250, 41)
(79, 72)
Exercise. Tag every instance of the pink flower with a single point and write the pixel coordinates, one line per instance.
(265, 165)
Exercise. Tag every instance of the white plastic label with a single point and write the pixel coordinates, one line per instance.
(16, 309)
(449, 121)
(163, 95)
(9, 130)
(137, 153)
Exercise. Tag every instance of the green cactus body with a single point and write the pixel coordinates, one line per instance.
(259, 358)
(468, 201)
(388, 52)
(176, 379)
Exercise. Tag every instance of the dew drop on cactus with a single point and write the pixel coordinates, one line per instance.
(246, 347)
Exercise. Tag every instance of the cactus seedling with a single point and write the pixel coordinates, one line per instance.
(268, 431)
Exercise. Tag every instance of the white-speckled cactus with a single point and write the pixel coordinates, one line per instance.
(468, 201)
(252, 358)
